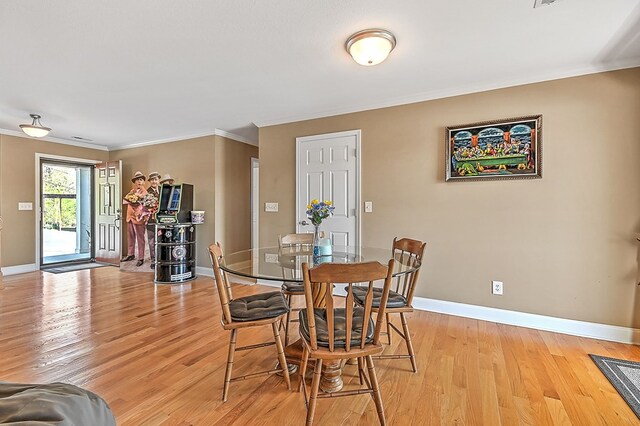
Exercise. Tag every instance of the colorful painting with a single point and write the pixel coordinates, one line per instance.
(500, 149)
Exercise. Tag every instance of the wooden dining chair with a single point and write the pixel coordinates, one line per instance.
(295, 242)
(408, 253)
(330, 334)
(249, 311)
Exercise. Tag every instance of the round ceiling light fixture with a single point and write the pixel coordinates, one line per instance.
(370, 47)
(35, 129)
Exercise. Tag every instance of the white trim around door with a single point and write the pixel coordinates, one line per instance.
(39, 157)
(358, 207)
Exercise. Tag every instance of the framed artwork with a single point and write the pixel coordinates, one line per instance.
(495, 150)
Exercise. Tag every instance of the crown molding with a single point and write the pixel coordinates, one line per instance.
(216, 132)
(54, 140)
(458, 91)
(161, 141)
(235, 137)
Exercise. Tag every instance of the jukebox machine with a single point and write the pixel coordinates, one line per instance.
(175, 204)
(175, 236)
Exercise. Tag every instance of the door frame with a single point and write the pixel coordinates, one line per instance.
(39, 157)
(358, 135)
(255, 203)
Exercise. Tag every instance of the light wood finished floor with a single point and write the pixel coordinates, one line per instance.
(156, 354)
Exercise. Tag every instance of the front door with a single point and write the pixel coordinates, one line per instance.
(108, 211)
(329, 169)
(66, 228)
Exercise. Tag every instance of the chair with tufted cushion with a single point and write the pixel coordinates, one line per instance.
(331, 333)
(250, 311)
(293, 243)
(408, 253)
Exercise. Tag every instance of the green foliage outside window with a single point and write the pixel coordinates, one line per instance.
(59, 212)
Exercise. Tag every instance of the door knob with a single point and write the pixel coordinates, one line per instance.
(303, 222)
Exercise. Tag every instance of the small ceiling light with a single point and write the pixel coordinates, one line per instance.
(370, 47)
(35, 129)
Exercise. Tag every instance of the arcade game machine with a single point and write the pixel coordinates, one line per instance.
(175, 235)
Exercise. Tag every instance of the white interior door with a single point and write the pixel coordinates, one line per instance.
(108, 211)
(328, 168)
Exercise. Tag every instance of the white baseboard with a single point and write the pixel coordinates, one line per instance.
(522, 319)
(269, 283)
(503, 316)
(19, 269)
(204, 271)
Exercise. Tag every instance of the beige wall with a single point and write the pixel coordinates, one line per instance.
(220, 170)
(233, 193)
(189, 161)
(563, 245)
(18, 183)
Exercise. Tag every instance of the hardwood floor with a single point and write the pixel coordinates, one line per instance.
(157, 355)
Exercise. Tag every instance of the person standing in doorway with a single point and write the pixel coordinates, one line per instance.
(135, 218)
(153, 190)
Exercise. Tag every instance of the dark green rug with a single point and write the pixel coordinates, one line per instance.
(624, 376)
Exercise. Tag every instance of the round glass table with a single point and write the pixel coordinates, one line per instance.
(285, 264)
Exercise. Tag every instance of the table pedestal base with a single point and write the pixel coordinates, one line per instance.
(331, 379)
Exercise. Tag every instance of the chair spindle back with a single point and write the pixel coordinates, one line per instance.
(289, 240)
(332, 273)
(293, 248)
(222, 282)
(407, 252)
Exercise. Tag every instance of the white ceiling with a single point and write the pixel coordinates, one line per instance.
(123, 72)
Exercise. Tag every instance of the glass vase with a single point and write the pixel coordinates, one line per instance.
(316, 240)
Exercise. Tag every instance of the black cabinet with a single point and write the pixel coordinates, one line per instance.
(175, 253)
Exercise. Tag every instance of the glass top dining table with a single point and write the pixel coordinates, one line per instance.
(285, 264)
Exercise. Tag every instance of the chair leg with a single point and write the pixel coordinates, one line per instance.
(389, 328)
(407, 335)
(303, 370)
(227, 374)
(286, 324)
(281, 357)
(376, 390)
(314, 392)
(360, 368)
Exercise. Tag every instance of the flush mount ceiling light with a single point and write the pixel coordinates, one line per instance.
(35, 129)
(370, 47)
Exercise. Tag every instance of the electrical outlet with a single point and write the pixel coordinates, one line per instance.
(270, 207)
(496, 287)
(271, 258)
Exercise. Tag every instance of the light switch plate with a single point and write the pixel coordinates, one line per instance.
(25, 206)
(271, 258)
(368, 206)
(270, 207)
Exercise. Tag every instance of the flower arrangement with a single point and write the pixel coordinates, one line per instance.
(144, 204)
(133, 197)
(317, 211)
(149, 202)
